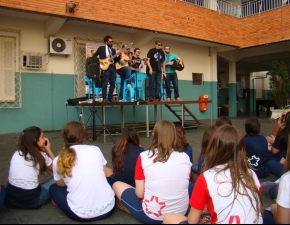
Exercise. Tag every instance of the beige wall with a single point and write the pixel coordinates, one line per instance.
(196, 58)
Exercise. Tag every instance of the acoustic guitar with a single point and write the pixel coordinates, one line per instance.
(104, 65)
(126, 59)
(177, 66)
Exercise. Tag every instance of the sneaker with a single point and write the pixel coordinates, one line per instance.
(129, 86)
(53, 202)
(168, 99)
(178, 99)
(106, 101)
(112, 100)
(151, 100)
(120, 100)
(157, 99)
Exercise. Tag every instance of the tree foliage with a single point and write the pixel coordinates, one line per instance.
(279, 82)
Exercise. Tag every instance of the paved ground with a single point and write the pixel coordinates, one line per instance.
(50, 214)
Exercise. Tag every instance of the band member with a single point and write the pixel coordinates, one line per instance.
(109, 75)
(136, 64)
(124, 70)
(171, 75)
(155, 64)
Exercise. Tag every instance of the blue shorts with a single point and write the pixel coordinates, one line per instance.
(134, 205)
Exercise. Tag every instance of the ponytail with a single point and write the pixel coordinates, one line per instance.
(66, 161)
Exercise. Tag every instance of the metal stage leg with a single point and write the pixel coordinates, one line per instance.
(210, 113)
(155, 113)
(122, 118)
(182, 115)
(83, 115)
(134, 115)
(147, 121)
(66, 113)
(104, 120)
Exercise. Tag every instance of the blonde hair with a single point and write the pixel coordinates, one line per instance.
(73, 133)
(164, 140)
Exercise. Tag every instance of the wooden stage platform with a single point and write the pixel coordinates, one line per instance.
(180, 113)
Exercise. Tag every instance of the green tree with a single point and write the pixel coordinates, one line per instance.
(279, 82)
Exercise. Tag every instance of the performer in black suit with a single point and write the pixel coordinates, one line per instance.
(109, 75)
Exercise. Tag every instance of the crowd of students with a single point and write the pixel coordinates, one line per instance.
(158, 185)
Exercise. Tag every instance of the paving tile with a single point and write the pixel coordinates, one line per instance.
(50, 214)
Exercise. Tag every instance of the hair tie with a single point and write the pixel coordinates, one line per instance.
(22, 133)
(179, 131)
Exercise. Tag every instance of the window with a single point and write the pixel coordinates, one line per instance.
(197, 79)
(10, 76)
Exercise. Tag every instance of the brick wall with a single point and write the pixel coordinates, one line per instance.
(166, 16)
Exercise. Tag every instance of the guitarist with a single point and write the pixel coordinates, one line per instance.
(109, 75)
(171, 75)
(124, 70)
(136, 64)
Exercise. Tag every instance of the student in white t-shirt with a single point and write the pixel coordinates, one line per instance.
(32, 158)
(81, 190)
(280, 212)
(161, 176)
(228, 187)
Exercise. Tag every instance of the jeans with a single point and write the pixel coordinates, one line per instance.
(125, 73)
(172, 77)
(2, 196)
(154, 81)
(59, 196)
(44, 194)
(275, 168)
(147, 85)
(109, 76)
(268, 218)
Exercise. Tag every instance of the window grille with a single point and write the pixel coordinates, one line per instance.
(10, 75)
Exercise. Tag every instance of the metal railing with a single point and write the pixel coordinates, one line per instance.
(247, 8)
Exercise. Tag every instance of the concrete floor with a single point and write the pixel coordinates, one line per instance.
(50, 214)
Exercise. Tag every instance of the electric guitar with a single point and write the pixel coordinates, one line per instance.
(126, 59)
(104, 65)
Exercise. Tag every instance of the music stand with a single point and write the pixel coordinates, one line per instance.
(93, 72)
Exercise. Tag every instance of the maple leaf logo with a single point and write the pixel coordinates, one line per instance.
(154, 202)
(254, 161)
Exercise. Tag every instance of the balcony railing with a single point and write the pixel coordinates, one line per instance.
(247, 8)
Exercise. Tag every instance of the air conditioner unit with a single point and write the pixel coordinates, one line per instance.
(33, 61)
(60, 46)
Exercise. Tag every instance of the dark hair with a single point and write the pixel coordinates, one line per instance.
(27, 144)
(252, 126)
(223, 120)
(283, 135)
(136, 49)
(106, 38)
(129, 136)
(181, 134)
(208, 133)
(158, 41)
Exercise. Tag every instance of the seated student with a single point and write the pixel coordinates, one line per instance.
(32, 158)
(2, 196)
(280, 212)
(182, 138)
(279, 146)
(223, 120)
(208, 133)
(256, 147)
(162, 178)
(81, 190)
(125, 155)
(228, 186)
